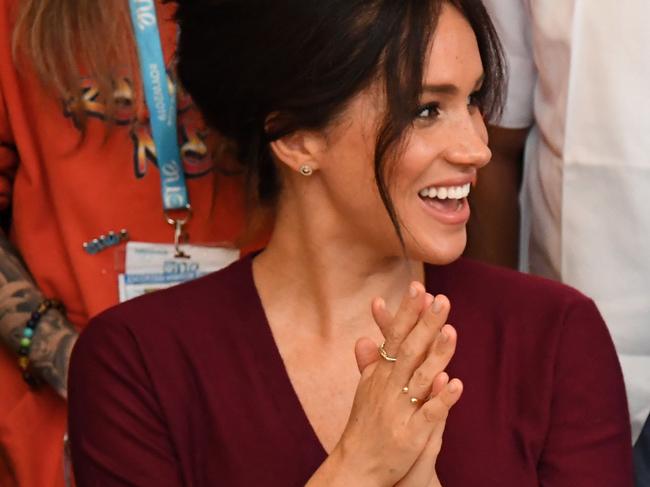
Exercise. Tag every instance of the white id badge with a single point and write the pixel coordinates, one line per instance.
(149, 267)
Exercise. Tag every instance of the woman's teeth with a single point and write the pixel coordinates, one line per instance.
(447, 192)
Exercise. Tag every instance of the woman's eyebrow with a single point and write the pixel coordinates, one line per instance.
(449, 88)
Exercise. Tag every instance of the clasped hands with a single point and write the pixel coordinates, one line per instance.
(394, 433)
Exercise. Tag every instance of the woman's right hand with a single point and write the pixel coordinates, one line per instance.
(388, 437)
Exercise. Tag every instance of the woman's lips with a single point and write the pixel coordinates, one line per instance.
(448, 211)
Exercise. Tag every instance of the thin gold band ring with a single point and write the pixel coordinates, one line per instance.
(385, 355)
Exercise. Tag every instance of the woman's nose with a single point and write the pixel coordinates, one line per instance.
(468, 143)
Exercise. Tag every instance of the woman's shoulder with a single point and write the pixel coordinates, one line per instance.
(185, 308)
(173, 340)
(489, 282)
(499, 300)
(533, 322)
(540, 351)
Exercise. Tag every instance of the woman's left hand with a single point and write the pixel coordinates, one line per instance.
(423, 472)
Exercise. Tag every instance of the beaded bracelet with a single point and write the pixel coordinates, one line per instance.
(28, 334)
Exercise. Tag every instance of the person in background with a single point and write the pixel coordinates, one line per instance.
(577, 103)
(642, 457)
(79, 176)
(361, 123)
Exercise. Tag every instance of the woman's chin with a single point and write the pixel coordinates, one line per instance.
(441, 250)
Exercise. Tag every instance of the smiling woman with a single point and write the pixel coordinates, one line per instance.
(327, 359)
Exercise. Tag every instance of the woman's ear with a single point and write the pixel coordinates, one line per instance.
(300, 150)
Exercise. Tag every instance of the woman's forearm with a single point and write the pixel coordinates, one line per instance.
(54, 336)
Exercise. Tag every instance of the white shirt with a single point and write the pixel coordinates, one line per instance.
(580, 75)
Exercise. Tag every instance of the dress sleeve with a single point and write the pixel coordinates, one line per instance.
(118, 435)
(511, 19)
(8, 156)
(589, 441)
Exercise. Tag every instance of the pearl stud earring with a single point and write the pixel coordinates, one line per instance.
(306, 170)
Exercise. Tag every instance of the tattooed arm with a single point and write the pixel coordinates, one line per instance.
(54, 337)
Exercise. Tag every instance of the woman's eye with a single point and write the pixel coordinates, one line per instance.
(474, 99)
(429, 112)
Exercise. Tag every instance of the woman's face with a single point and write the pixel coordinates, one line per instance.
(434, 171)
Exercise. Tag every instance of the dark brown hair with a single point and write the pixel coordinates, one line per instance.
(243, 60)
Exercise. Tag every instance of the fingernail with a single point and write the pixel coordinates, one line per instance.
(413, 291)
(453, 386)
(437, 305)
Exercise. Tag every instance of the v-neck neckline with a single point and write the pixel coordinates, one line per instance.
(273, 367)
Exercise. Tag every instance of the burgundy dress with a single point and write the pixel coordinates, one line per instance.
(187, 387)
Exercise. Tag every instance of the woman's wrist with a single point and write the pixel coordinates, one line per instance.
(341, 471)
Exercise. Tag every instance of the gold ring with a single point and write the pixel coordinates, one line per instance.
(385, 355)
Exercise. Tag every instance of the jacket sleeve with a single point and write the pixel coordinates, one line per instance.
(589, 441)
(118, 435)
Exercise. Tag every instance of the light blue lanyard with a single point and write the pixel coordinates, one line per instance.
(160, 97)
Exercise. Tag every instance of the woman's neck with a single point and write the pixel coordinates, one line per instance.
(319, 275)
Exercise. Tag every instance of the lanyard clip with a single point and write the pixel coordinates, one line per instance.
(178, 224)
